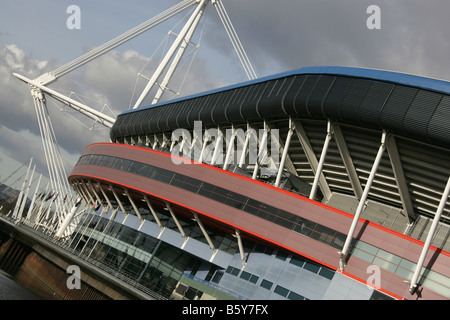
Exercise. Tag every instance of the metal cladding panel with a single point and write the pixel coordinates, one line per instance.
(333, 100)
(233, 110)
(249, 107)
(352, 96)
(289, 99)
(146, 117)
(374, 101)
(169, 117)
(273, 98)
(318, 94)
(193, 114)
(395, 109)
(352, 100)
(420, 112)
(218, 114)
(205, 114)
(154, 119)
(115, 131)
(183, 112)
(302, 96)
(438, 126)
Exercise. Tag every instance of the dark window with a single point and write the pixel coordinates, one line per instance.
(266, 284)
(295, 296)
(284, 223)
(253, 278)
(281, 291)
(298, 261)
(245, 275)
(311, 266)
(282, 255)
(326, 273)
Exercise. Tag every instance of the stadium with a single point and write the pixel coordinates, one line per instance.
(318, 183)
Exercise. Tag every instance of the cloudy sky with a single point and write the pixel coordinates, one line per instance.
(278, 36)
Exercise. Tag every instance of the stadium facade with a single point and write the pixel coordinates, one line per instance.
(319, 183)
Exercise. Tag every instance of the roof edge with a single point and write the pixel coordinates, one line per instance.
(431, 84)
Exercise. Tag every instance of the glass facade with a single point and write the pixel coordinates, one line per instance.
(283, 218)
(367, 252)
(159, 267)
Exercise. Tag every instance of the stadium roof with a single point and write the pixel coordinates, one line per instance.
(407, 105)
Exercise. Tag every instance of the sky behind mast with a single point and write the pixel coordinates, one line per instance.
(277, 35)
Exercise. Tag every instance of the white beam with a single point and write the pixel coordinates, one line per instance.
(180, 228)
(400, 178)
(133, 205)
(345, 250)
(347, 159)
(205, 233)
(241, 247)
(431, 233)
(85, 110)
(152, 210)
(19, 198)
(118, 201)
(230, 148)
(312, 159)
(322, 160)
(262, 143)
(284, 156)
(178, 56)
(170, 54)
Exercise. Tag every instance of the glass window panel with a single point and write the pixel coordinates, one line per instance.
(326, 273)
(118, 163)
(125, 165)
(134, 167)
(366, 247)
(217, 197)
(338, 240)
(437, 287)
(254, 279)
(281, 291)
(295, 296)
(266, 284)
(388, 256)
(311, 266)
(234, 203)
(204, 192)
(287, 215)
(177, 181)
(363, 255)
(237, 197)
(284, 223)
(266, 216)
(194, 182)
(408, 265)
(164, 178)
(152, 173)
(437, 277)
(251, 209)
(282, 255)
(298, 261)
(404, 273)
(302, 230)
(385, 264)
(235, 271)
(245, 275)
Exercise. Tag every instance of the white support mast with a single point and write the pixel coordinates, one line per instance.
(65, 210)
(183, 34)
